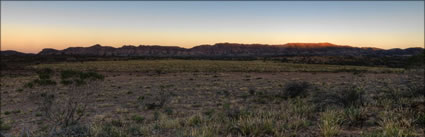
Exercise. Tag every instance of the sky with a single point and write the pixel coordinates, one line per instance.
(30, 26)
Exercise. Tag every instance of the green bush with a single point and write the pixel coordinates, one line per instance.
(138, 119)
(79, 78)
(66, 82)
(296, 89)
(69, 74)
(45, 73)
(92, 75)
(44, 82)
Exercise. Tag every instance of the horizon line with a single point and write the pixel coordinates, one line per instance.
(330, 44)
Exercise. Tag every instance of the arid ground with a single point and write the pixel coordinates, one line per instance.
(201, 98)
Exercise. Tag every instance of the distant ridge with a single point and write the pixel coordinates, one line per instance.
(14, 53)
(232, 50)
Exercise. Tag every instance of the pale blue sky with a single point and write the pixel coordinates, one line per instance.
(389, 24)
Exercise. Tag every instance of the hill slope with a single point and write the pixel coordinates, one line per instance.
(233, 50)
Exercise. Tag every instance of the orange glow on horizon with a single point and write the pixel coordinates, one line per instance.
(33, 38)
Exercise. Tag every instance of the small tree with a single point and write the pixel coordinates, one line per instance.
(64, 112)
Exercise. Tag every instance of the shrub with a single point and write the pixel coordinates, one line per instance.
(66, 82)
(351, 97)
(92, 75)
(252, 92)
(79, 77)
(65, 74)
(44, 82)
(45, 73)
(79, 82)
(295, 89)
(64, 112)
(44, 76)
(138, 119)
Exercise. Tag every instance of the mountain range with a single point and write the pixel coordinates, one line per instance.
(228, 50)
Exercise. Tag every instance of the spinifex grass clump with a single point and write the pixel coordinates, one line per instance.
(78, 77)
(45, 73)
(330, 123)
(44, 76)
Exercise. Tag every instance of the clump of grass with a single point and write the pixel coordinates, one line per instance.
(392, 128)
(296, 89)
(44, 82)
(301, 107)
(65, 74)
(4, 125)
(352, 97)
(354, 116)
(91, 75)
(45, 73)
(109, 130)
(396, 122)
(195, 120)
(205, 130)
(165, 122)
(66, 82)
(235, 113)
(256, 126)
(29, 85)
(44, 76)
(79, 77)
(138, 118)
(330, 123)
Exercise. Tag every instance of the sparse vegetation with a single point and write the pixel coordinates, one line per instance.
(190, 99)
(168, 66)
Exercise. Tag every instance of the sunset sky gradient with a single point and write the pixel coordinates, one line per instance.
(31, 26)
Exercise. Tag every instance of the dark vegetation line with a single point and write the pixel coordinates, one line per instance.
(19, 62)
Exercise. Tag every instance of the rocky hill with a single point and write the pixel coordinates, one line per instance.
(14, 53)
(233, 50)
